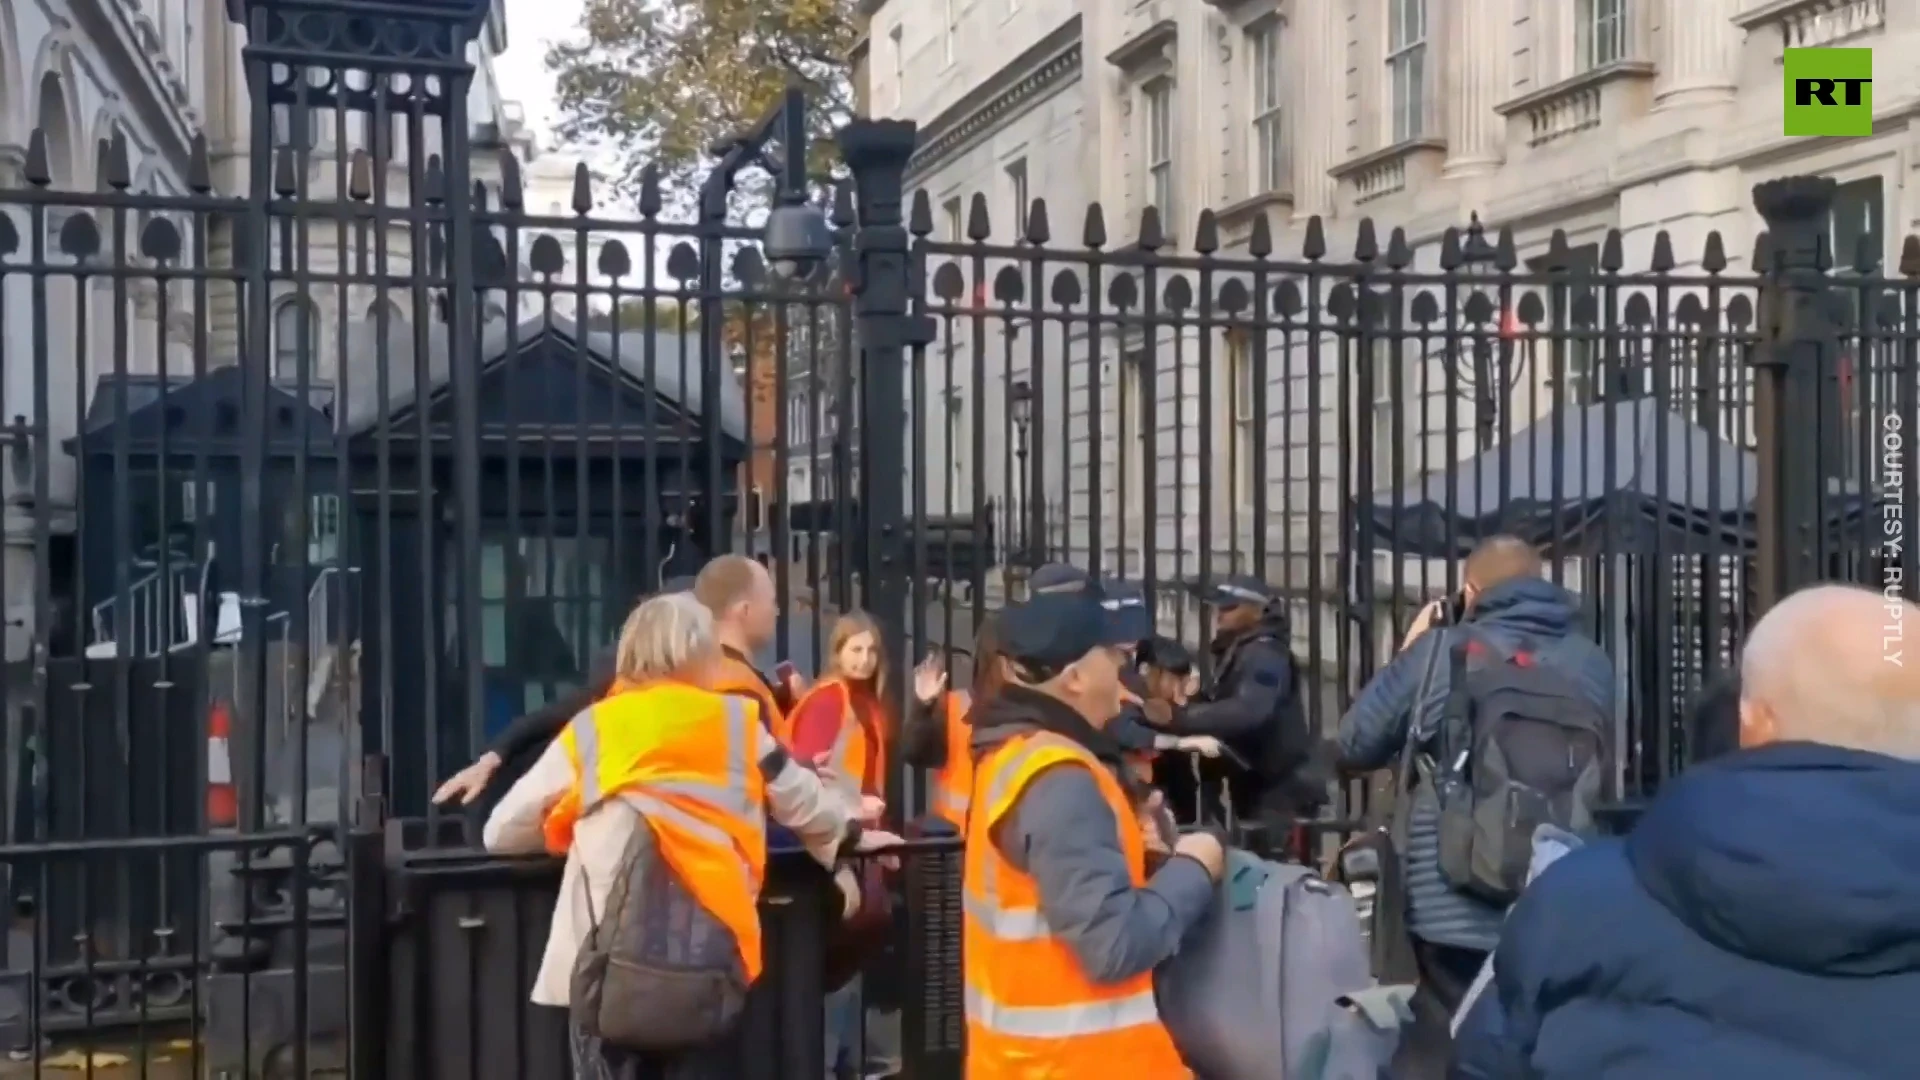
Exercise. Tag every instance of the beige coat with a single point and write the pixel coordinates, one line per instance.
(795, 798)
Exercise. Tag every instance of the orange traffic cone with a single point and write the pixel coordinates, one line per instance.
(223, 803)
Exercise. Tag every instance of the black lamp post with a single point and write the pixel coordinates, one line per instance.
(1020, 404)
(1480, 262)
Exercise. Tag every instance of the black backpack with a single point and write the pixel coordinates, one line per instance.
(1520, 747)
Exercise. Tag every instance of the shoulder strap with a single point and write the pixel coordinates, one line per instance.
(1442, 645)
(639, 822)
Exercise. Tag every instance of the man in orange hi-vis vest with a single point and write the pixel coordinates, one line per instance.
(746, 611)
(1069, 902)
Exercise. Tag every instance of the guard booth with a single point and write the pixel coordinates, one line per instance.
(593, 456)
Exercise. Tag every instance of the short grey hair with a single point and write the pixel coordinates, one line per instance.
(664, 636)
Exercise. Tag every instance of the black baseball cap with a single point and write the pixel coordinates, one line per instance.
(1059, 577)
(1044, 634)
(1128, 603)
(1235, 590)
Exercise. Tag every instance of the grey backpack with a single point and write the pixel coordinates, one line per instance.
(1521, 747)
(656, 972)
(1276, 984)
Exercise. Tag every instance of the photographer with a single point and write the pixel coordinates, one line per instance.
(1508, 620)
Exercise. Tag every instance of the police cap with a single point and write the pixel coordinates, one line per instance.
(1042, 635)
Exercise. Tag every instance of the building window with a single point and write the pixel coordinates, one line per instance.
(1602, 31)
(1407, 68)
(1387, 420)
(1160, 149)
(950, 32)
(1858, 214)
(293, 126)
(1017, 186)
(323, 530)
(956, 220)
(1582, 317)
(899, 65)
(1132, 410)
(1242, 442)
(1269, 131)
(296, 338)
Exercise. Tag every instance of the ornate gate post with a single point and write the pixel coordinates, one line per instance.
(876, 151)
(1796, 411)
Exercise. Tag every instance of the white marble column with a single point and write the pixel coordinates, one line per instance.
(1700, 52)
(1319, 115)
(1475, 49)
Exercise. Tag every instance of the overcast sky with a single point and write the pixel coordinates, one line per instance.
(531, 25)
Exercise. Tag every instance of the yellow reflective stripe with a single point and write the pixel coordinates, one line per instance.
(741, 761)
(1062, 1021)
(946, 800)
(837, 758)
(1007, 924)
(655, 809)
(586, 751)
(1004, 772)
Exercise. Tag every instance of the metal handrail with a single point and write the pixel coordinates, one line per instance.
(156, 604)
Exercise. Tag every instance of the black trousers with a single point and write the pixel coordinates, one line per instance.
(1446, 972)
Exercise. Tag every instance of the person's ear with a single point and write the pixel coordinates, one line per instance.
(1758, 725)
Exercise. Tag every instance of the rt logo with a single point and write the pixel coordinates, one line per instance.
(1829, 91)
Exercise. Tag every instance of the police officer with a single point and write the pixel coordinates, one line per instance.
(1254, 707)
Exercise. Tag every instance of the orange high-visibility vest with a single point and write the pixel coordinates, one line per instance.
(688, 760)
(953, 783)
(1032, 1013)
(860, 750)
(738, 678)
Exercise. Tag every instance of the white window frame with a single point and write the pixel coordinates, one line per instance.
(1128, 404)
(1406, 70)
(1017, 179)
(1158, 120)
(1244, 427)
(897, 36)
(1387, 428)
(1602, 32)
(287, 332)
(954, 211)
(1267, 82)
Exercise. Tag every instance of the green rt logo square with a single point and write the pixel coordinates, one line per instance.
(1829, 92)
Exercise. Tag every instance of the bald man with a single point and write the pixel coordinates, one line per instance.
(1763, 918)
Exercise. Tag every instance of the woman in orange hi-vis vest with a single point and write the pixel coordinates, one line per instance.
(698, 769)
(845, 721)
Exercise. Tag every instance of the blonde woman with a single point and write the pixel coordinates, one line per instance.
(846, 720)
(665, 741)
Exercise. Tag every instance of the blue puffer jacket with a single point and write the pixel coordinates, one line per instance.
(1530, 613)
(1762, 920)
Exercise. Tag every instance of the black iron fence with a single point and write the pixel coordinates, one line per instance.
(328, 479)
(1684, 433)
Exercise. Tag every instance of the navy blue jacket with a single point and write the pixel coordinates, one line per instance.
(1762, 919)
(1527, 612)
